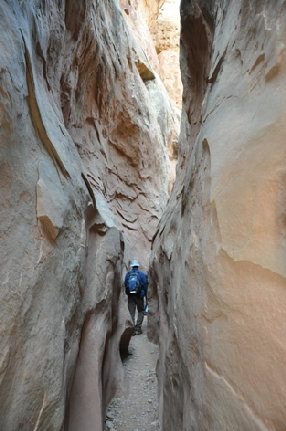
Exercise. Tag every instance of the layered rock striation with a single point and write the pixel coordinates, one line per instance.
(218, 260)
(85, 123)
(127, 117)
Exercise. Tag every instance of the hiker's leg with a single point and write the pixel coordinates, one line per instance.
(140, 308)
(132, 308)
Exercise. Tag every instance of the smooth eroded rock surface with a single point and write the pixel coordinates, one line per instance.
(218, 263)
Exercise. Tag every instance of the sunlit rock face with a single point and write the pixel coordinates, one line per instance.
(159, 34)
(85, 128)
(167, 46)
(142, 18)
(155, 25)
(218, 264)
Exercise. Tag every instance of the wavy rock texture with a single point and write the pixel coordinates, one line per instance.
(218, 262)
(82, 133)
(127, 116)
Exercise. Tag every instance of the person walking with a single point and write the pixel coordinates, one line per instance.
(136, 286)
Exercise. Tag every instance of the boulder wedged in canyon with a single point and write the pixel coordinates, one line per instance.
(218, 259)
(81, 139)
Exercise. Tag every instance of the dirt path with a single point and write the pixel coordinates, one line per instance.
(139, 410)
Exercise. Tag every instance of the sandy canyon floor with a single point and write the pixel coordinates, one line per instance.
(137, 408)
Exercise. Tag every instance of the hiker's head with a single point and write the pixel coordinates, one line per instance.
(134, 264)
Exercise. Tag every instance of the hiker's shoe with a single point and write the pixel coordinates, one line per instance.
(138, 331)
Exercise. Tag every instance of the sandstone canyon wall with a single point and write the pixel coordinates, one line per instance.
(161, 43)
(167, 42)
(85, 128)
(218, 259)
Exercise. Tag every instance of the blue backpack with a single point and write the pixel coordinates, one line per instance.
(133, 283)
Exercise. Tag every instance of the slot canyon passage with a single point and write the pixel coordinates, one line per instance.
(103, 161)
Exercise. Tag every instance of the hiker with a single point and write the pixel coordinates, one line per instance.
(136, 285)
